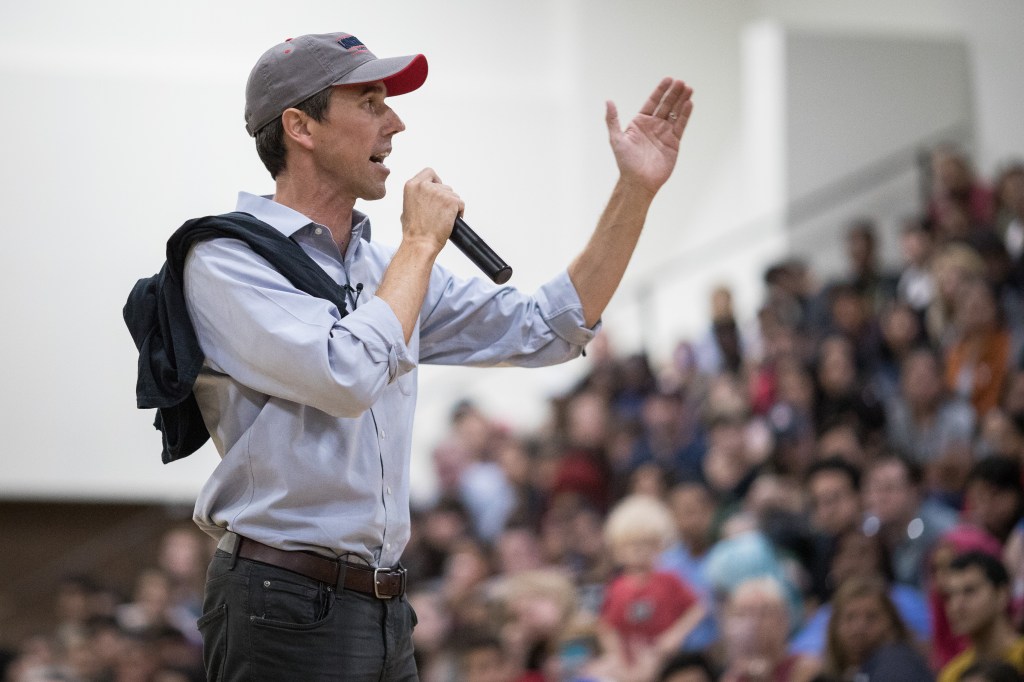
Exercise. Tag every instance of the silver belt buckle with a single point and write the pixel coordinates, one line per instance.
(376, 583)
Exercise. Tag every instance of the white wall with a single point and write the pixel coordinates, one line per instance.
(123, 119)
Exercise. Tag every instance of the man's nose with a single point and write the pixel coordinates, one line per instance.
(395, 124)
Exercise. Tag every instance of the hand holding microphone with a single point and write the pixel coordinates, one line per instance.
(425, 184)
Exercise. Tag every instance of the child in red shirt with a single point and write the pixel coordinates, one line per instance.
(647, 613)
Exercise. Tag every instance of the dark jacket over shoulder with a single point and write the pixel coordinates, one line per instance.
(170, 358)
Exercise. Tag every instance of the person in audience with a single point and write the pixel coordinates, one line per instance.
(532, 611)
(723, 347)
(931, 424)
(694, 508)
(994, 495)
(953, 264)
(897, 509)
(467, 571)
(867, 639)
(790, 415)
(958, 540)
(637, 381)
(436, 530)
(956, 187)
(859, 556)
(1005, 284)
(978, 361)
(900, 333)
(481, 486)
(644, 607)
(754, 626)
(833, 497)
(583, 473)
(1000, 432)
(733, 458)
(853, 319)
(482, 658)
(671, 437)
(517, 549)
(916, 283)
(519, 459)
(833, 489)
(744, 552)
(870, 280)
(977, 599)
(841, 395)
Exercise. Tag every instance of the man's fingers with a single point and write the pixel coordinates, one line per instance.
(651, 105)
(611, 117)
(426, 175)
(671, 104)
(679, 124)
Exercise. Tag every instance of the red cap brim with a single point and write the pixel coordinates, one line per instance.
(408, 79)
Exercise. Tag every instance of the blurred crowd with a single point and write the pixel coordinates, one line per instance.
(831, 491)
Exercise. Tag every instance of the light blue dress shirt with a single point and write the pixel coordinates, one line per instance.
(312, 412)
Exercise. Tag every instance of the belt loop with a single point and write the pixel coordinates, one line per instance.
(339, 583)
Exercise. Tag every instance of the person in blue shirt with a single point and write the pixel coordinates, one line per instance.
(310, 404)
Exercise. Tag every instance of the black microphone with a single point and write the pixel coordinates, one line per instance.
(476, 250)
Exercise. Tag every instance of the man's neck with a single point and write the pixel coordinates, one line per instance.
(319, 204)
(993, 641)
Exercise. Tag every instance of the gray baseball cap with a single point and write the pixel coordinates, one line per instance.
(300, 67)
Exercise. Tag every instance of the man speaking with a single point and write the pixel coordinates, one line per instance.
(305, 335)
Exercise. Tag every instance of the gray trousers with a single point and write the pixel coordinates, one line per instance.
(260, 622)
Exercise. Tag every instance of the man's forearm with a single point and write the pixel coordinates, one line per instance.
(597, 271)
(405, 282)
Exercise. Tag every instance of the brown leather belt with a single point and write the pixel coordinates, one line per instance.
(383, 583)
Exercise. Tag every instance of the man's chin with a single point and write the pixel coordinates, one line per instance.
(374, 193)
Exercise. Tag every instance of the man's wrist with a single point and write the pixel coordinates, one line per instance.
(421, 247)
(636, 187)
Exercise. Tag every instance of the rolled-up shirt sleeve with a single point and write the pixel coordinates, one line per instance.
(377, 325)
(253, 325)
(473, 322)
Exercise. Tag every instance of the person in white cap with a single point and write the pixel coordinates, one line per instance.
(307, 385)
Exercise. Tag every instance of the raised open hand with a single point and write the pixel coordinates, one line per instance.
(647, 149)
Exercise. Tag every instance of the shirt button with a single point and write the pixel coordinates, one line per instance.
(383, 435)
(388, 490)
(318, 231)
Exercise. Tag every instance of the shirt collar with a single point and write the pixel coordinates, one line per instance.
(288, 221)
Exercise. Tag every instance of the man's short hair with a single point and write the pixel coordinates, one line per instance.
(913, 470)
(999, 471)
(270, 138)
(835, 464)
(992, 567)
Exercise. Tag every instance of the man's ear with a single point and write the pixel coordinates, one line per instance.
(296, 127)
